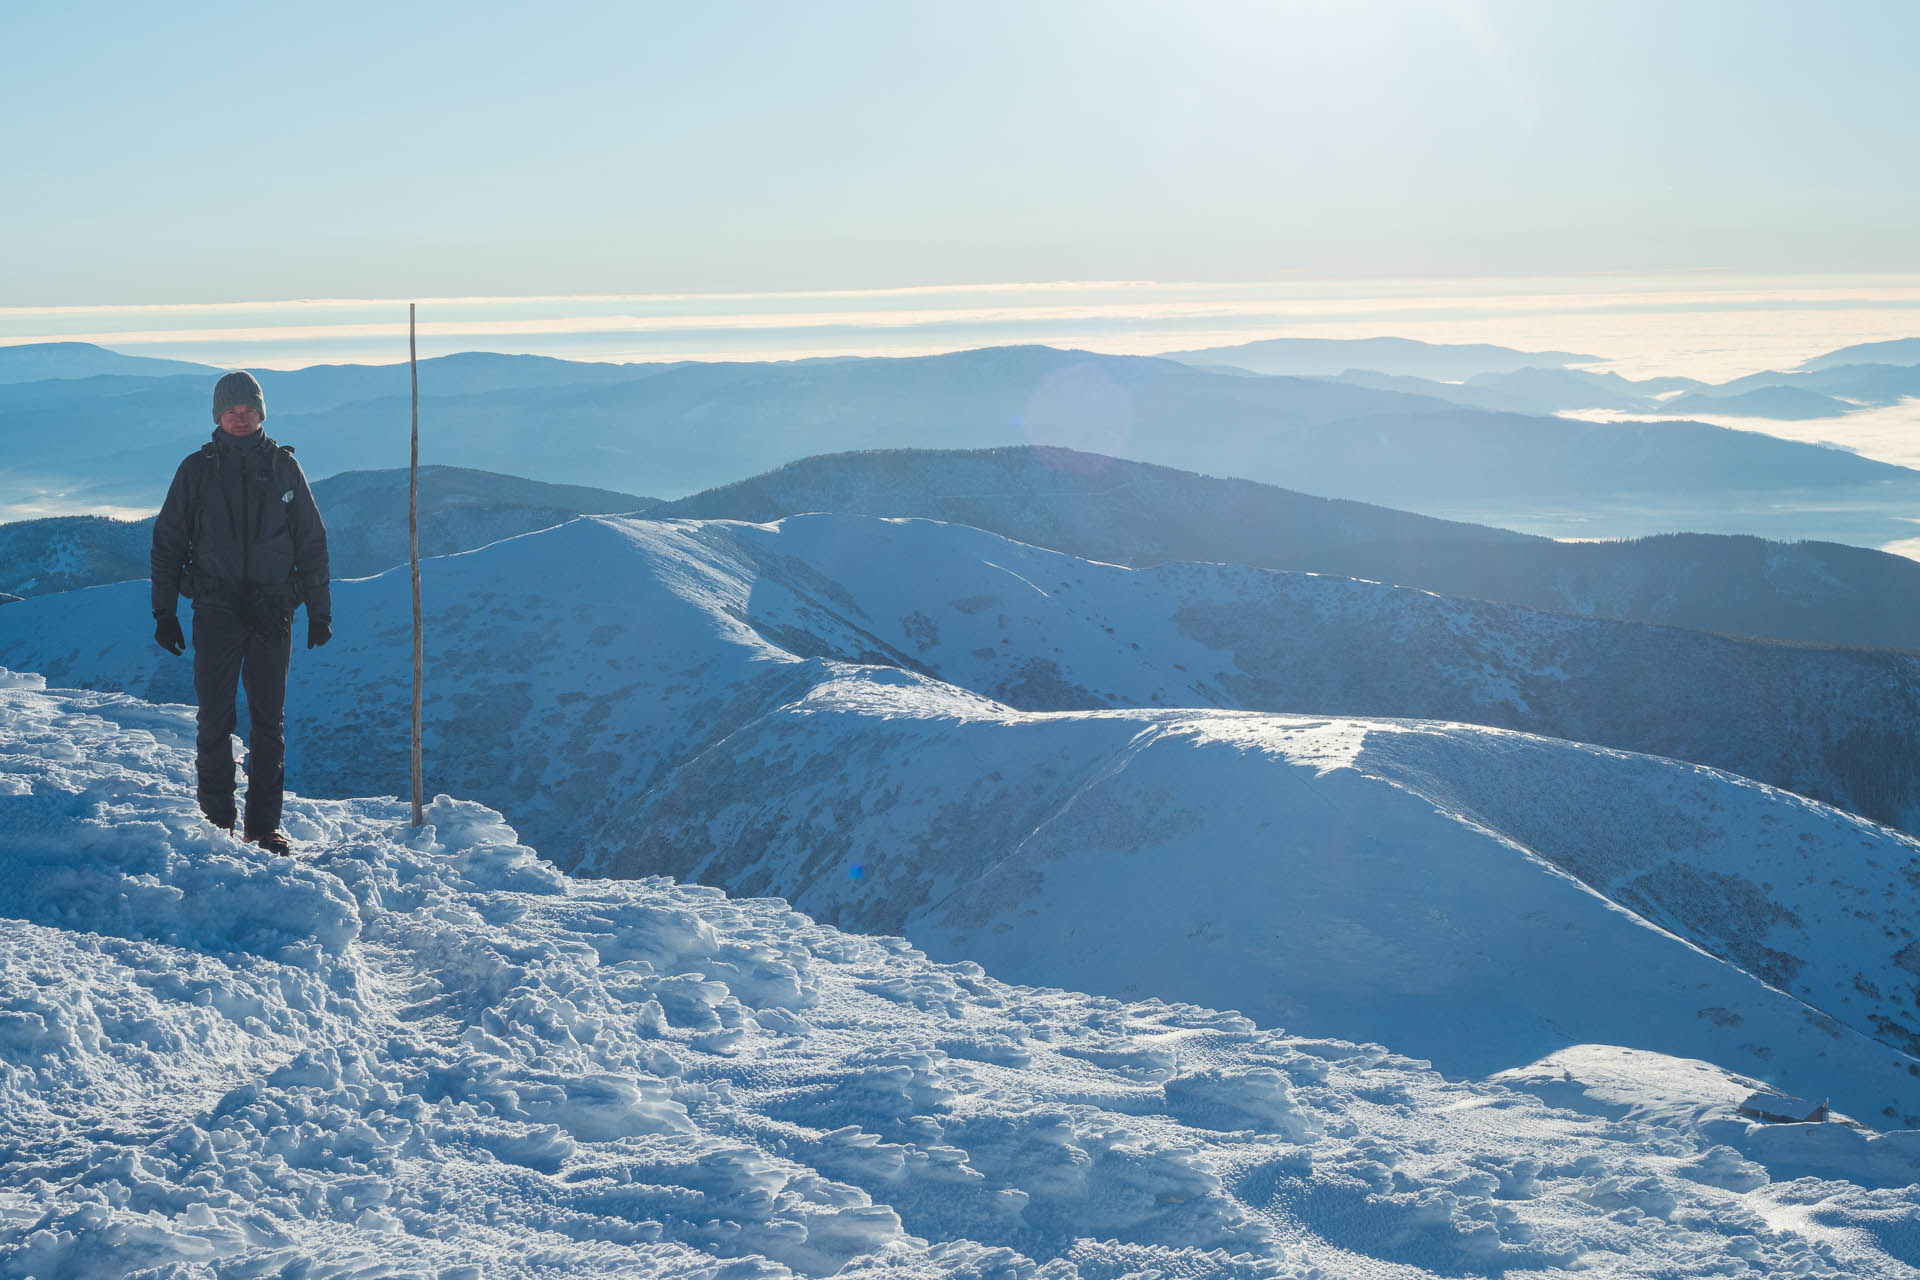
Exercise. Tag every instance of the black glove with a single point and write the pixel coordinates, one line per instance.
(166, 633)
(319, 630)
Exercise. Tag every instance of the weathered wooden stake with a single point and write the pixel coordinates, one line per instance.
(413, 546)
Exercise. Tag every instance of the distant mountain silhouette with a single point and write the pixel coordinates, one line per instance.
(1458, 393)
(1900, 351)
(1867, 384)
(1447, 362)
(677, 429)
(1773, 395)
(1534, 390)
(468, 373)
(37, 361)
(1556, 389)
(1131, 513)
(1784, 404)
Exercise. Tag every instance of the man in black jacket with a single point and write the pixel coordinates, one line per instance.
(240, 534)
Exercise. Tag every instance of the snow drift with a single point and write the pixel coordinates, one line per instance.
(429, 1053)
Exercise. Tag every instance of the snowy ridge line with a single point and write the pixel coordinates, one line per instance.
(614, 650)
(1196, 872)
(1819, 592)
(1229, 636)
(477, 1066)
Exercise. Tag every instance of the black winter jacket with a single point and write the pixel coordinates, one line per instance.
(240, 516)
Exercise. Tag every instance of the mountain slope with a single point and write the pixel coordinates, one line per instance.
(605, 608)
(1294, 869)
(459, 510)
(466, 373)
(1863, 384)
(1783, 403)
(38, 361)
(1130, 513)
(65, 553)
(1901, 351)
(426, 1053)
(675, 428)
(772, 708)
(678, 429)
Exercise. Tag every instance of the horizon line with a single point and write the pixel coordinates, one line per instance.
(1691, 276)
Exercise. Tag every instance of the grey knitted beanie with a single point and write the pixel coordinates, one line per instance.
(238, 388)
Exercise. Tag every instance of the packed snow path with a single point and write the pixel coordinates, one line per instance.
(431, 1054)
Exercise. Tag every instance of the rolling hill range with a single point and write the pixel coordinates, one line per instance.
(891, 723)
(1508, 381)
(1129, 513)
(1406, 357)
(425, 1052)
(366, 516)
(1102, 508)
(675, 429)
(1033, 629)
(40, 361)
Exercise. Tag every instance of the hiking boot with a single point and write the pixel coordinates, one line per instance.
(271, 841)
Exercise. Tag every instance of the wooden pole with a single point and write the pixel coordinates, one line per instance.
(413, 547)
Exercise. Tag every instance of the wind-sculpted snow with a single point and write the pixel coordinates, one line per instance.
(1476, 897)
(429, 1053)
(849, 713)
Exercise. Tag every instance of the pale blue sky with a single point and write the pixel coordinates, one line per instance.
(220, 152)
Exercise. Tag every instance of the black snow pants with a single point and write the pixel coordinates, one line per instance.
(226, 651)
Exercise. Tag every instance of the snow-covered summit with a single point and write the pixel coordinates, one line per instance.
(432, 1054)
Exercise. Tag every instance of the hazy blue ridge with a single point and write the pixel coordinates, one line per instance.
(1901, 351)
(1442, 361)
(1782, 403)
(675, 430)
(35, 361)
(1866, 384)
